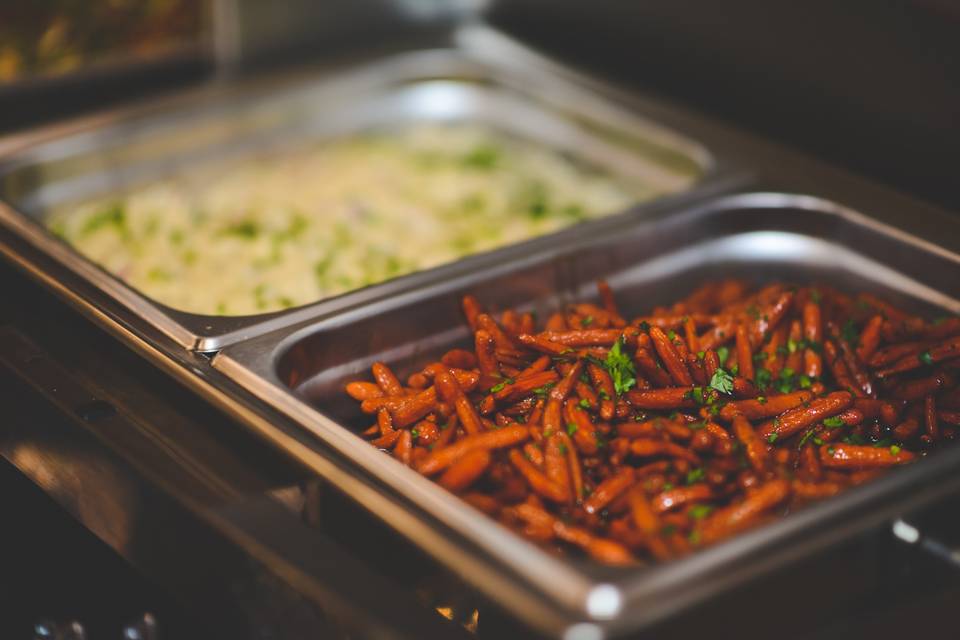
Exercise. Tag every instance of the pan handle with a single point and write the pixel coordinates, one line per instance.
(911, 535)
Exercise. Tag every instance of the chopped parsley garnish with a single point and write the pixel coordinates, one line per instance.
(544, 390)
(672, 335)
(415, 433)
(696, 426)
(849, 333)
(762, 399)
(834, 422)
(754, 312)
(723, 353)
(831, 450)
(620, 366)
(701, 354)
(763, 377)
(894, 449)
(805, 382)
(806, 436)
(772, 437)
(722, 381)
(667, 486)
(926, 358)
(586, 322)
(700, 511)
(584, 403)
(501, 385)
(571, 428)
(695, 475)
(786, 382)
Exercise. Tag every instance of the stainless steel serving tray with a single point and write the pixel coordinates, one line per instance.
(518, 94)
(300, 372)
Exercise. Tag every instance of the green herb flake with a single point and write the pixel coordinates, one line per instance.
(722, 381)
(695, 475)
(817, 441)
(763, 378)
(415, 433)
(806, 436)
(772, 437)
(831, 450)
(722, 354)
(895, 449)
(849, 333)
(694, 538)
(805, 382)
(672, 335)
(762, 399)
(700, 511)
(754, 312)
(584, 403)
(834, 422)
(926, 358)
(620, 366)
(571, 428)
(667, 486)
(586, 322)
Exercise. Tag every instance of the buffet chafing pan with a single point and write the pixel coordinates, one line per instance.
(113, 152)
(300, 371)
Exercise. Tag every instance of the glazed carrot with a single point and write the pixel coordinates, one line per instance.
(922, 387)
(603, 383)
(609, 301)
(541, 344)
(906, 429)
(440, 459)
(589, 337)
(471, 309)
(451, 393)
(754, 445)
(540, 483)
(648, 523)
(386, 380)
(646, 448)
(690, 331)
(555, 465)
(892, 353)
(869, 338)
(584, 431)
(946, 350)
(404, 448)
(523, 386)
(361, 391)
(679, 496)
(465, 471)
(930, 417)
(669, 398)
(744, 353)
(728, 520)
(815, 490)
(670, 358)
(795, 356)
(651, 369)
(768, 407)
(950, 417)
(602, 549)
(771, 317)
(813, 333)
(609, 489)
(459, 359)
(849, 456)
(811, 462)
(486, 359)
(796, 420)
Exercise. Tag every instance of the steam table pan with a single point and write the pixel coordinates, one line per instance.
(111, 153)
(301, 371)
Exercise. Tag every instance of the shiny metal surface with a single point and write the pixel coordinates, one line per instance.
(300, 372)
(513, 93)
